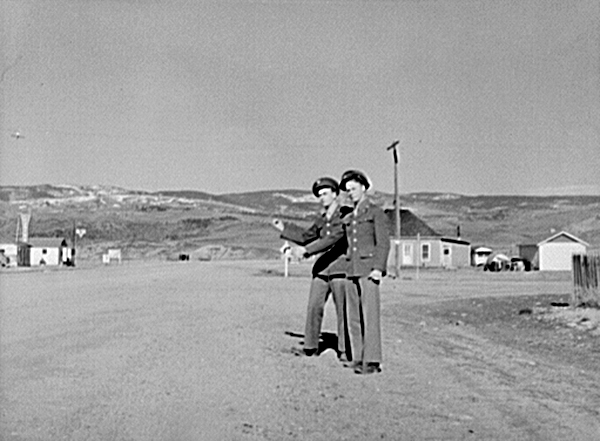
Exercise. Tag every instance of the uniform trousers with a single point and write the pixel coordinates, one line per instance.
(363, 306)
(320, 288)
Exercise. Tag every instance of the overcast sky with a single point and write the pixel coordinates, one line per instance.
(487, 97)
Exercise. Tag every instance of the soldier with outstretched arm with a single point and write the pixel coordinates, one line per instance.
(326, 236)
(367, 233)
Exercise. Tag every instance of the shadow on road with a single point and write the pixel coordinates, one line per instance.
(327, 340)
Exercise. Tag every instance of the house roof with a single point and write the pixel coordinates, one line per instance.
(47, 242)
(455, 240)
(410, 224)
(563, 234)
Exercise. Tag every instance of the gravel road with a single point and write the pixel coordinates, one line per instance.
(201, 351)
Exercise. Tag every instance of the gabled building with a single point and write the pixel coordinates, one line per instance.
(556, 252)
(421, 245)
(44, 251)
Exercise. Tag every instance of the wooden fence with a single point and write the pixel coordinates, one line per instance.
(586, 275)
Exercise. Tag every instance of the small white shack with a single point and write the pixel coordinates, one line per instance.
(555, 253)
(480, 255)
(8, 252)
(48, 251)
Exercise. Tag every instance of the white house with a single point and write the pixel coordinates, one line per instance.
(555, 253)
(9, 250)
(45, 251)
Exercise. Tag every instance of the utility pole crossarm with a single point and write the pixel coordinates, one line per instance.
(395, 151)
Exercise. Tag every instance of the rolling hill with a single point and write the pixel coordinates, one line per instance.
(164, 224)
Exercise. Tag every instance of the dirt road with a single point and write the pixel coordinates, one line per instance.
(200, 351)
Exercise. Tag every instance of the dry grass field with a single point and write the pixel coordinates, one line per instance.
(201, 351)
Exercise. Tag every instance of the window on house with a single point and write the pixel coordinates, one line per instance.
(425, 252)
(44, 251)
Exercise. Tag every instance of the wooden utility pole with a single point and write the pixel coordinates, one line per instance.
(418, 253)
(394, 148)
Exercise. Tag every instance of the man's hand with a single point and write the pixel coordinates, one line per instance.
(278, 223)
(299, 252)
(376, 275)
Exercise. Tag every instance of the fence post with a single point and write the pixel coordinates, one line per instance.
(586, 276)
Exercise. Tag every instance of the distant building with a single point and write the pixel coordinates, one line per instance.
(555, 253)
(423, 246)
(480, 256)
(8, 249)
(528, 252)
(44, 251)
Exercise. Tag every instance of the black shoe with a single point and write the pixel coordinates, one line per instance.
(342, 357)
(301, 352)
(370, 368)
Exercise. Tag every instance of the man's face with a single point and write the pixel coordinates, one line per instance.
(326, 196)
(355, 189)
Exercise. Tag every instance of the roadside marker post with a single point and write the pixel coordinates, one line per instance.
(286, 251)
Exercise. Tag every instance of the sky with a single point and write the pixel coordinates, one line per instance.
(485, 96)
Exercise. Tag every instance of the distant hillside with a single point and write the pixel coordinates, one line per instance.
(165, 223)
(187, 194)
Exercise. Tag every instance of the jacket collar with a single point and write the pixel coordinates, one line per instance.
(329, 213)
(362, 204)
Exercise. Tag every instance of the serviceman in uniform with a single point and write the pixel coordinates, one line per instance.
(367, 234)
(325, 235)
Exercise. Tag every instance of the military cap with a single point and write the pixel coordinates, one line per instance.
(325, 183)
(354, 175)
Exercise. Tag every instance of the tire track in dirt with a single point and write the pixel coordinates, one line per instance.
(541, 399)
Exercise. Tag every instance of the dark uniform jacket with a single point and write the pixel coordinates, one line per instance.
(324, 235)
(368, 235)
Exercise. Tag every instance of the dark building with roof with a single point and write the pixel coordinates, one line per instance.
(421, 245)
